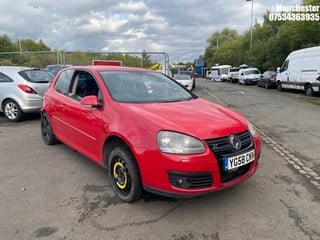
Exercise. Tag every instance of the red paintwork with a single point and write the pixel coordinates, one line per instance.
(86, 130)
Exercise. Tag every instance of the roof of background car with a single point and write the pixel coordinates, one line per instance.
(12, 69)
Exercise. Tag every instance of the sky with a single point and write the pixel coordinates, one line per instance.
(179, 28)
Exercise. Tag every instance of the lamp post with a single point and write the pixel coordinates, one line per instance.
(19, 42)
(251, 23)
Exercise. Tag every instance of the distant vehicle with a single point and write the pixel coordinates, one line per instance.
(55, 68)
(233, 74)
(219, 73)
(140, 126)
(242, 66)
(21, 90)
(191, 74)
(249, 76)
(268, 80)
(184, 79)
(300, 71)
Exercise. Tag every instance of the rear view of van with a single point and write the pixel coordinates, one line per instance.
(301, 71)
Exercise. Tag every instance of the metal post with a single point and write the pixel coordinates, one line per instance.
(19, 42)
(251, 23)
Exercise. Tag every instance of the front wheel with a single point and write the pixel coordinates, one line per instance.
(124, 174)
(279, 86)
(12, 111)
(309, 90)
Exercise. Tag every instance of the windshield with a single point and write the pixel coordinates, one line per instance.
(248, 72)
(143, 87)
(182, 77)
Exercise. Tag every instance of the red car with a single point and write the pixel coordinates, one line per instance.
(148, 131)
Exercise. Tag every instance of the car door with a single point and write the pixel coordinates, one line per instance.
(84, 123)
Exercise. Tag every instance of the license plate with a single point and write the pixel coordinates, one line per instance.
(238, 161)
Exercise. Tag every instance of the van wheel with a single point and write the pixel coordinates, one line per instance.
(309, 91)
(279, 86)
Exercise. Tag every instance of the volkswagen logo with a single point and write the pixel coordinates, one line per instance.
(235, 142)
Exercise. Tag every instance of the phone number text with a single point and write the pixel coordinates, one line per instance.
(294, 16)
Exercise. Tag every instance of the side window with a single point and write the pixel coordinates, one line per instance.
(85, 85)
(63, 82)
(285, 66)
(4, 78)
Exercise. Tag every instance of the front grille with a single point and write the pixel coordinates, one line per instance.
(222, 147)
(188, 180)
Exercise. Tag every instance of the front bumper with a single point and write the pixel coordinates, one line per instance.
(191, 175)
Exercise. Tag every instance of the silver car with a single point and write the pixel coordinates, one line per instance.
(21, 90)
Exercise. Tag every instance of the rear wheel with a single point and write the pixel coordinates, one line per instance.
(124, 174)
(47, 134)
(12, 111)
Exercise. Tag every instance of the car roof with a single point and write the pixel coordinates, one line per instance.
(248, 69)
(13, 69)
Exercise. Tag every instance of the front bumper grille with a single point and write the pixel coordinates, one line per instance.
(222, 147)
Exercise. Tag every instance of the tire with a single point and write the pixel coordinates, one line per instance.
(266, 85)
(309, 91)
(124, 174)
(279, 86)
(47, 134)
(12, 111)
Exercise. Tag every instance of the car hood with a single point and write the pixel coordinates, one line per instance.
(197, 117)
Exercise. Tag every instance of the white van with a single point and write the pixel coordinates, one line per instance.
(301, 71)
(249, 76)
(219, 73)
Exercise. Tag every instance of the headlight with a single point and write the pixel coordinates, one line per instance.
(178, 143)
(252, 129)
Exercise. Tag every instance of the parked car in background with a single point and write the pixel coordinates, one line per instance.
(21, 90)
(249, 76)
(192, 75)
(184, 79)
(54, 68)
(233, 75)
(140, 126)
(268, 80)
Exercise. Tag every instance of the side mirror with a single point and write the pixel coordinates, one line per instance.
(91, 101)
(278, 69)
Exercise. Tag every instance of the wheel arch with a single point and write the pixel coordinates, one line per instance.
(9, 98)
(110, 143)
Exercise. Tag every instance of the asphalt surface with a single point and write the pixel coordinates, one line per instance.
(52, 192)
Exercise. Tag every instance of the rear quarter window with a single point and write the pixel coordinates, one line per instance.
(4, 78)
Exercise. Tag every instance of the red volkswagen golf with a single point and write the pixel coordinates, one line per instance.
(148, 131)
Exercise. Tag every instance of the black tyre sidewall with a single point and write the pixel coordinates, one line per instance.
(50, 138)
(133, 171)
(309, 91)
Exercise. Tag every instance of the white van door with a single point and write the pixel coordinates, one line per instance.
(284, 76)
